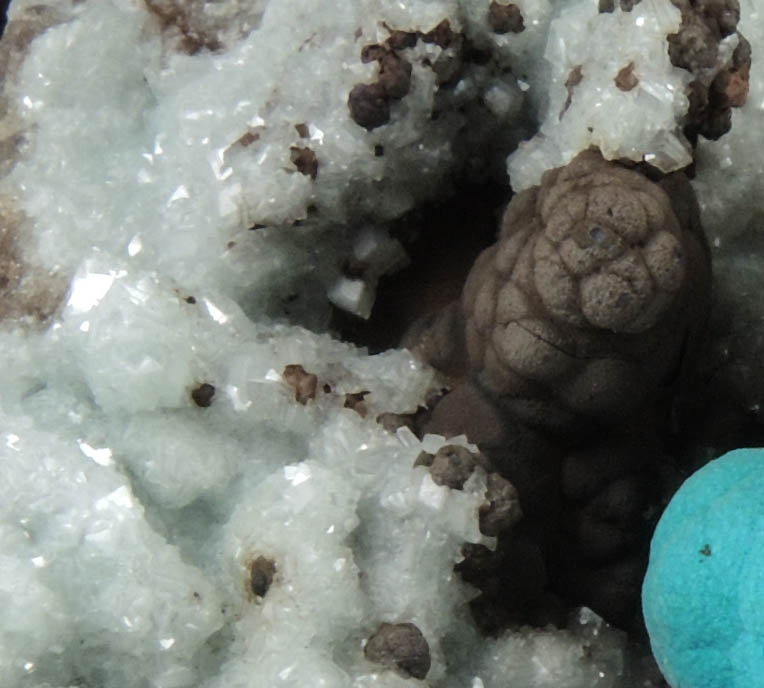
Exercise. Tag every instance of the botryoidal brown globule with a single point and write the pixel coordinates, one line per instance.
(589, 303)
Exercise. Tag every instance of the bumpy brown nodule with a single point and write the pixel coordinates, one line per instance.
(590, 299)
(585, 311)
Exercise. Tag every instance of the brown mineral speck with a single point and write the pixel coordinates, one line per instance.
(379, 150)
(248, 138)
(394, 75)
(451, 466)
(400, 40)
(733, 86)
(730, 87)
(355, 401)
(327, 388)
(400, 646)
(505, 18)
(261, 574)
(372, 52)
(625, 80)
(442, 35)
(203, 394)
(302, 130)
(177, 15)
(305, 161)
(574, 78)
(369, 105)
(303, 383)
(191, 300)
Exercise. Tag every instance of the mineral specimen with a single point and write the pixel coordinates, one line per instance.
(183, 191)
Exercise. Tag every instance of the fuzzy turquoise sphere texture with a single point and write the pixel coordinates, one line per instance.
(703, 595)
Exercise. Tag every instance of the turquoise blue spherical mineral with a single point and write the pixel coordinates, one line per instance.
(703, 595)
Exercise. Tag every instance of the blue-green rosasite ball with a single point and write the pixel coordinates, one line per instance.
(703, 595)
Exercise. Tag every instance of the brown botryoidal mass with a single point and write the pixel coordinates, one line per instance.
(586, 307)
(581, 318)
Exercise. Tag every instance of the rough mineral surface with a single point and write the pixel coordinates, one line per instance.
(585, 307)
(680, 93)
(589, 109)
(195, 491)
(702, 588)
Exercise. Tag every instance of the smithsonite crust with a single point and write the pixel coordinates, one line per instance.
(702, 595)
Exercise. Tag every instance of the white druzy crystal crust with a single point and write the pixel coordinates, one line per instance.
(637, 116)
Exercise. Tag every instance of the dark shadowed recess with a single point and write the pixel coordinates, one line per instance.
(3, 15)
(442, 238)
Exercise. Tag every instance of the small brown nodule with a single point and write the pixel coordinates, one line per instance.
(394, 75)
(191, 300)
(400, 40)
(246, 139)
(202, 395)
(355, 402)
(261, 575)
(505, 18)
(451, 466)
(305, 161)
(400, 646)
(372, 52)
(303, 382)
(369, 105)
(625, 79)
(302, 130)
(442, 35)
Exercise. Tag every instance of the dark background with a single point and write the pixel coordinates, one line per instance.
(3, 11)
